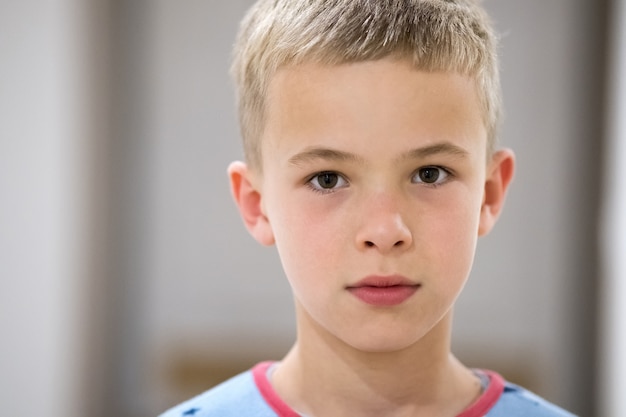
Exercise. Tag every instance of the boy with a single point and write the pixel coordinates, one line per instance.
(369, 131)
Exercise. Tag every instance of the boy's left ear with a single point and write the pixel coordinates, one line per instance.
(499, 175)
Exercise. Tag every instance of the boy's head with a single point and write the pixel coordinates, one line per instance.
(368, 128)
(432, 35)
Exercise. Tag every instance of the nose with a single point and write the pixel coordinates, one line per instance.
(383, 227)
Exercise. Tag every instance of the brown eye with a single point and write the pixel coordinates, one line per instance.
(430, 175)
(327, 181)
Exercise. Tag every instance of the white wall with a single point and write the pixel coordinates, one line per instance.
(42, 210)
(612, 358)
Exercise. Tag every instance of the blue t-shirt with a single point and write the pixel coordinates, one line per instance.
(250, 394)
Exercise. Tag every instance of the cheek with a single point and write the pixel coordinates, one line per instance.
(454, 228)
(309, 239)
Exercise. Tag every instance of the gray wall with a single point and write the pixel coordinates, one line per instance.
(612, 323)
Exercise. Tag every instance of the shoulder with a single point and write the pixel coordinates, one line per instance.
(519, 402)
(237, 396)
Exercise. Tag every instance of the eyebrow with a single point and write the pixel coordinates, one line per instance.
(327, 154)
(334, 155)
(436, 149)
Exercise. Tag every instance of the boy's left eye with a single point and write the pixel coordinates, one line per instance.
(431, 175)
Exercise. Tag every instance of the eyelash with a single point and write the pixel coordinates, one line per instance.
(321, 190)
(447, 176)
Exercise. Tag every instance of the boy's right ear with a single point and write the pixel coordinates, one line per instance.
(248, 199)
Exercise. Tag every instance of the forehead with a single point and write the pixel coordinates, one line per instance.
(374, 102)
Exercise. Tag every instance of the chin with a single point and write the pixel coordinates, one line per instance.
(383, 343)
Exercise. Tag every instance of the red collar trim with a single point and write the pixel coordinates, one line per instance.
(488, 398)
(267, 391)
(479, 408)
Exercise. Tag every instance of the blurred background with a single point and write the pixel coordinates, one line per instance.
(128, 283)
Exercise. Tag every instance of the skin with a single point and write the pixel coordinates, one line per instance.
(380, 132)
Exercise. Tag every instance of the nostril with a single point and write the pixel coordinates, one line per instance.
(371, 244)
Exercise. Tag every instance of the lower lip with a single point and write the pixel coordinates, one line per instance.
(384, 296)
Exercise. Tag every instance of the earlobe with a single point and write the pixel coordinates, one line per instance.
(499, 175)
(248, 199)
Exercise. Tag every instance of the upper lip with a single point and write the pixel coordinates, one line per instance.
(382, 281)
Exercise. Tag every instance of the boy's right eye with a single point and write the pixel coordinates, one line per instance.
(327, 181)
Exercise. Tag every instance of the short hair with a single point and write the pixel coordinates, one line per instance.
(433, 35)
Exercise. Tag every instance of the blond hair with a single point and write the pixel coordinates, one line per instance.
(434, 35)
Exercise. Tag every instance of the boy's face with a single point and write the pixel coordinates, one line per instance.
(374, 189)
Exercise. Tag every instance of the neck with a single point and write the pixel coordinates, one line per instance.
(322, 376)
